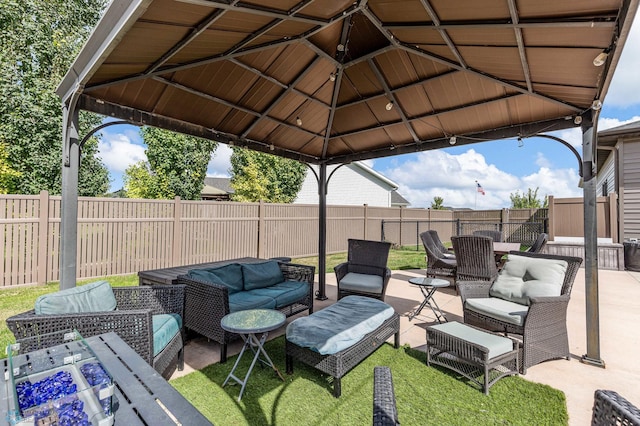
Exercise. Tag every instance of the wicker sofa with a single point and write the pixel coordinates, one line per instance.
(212, 293)
(132, 318)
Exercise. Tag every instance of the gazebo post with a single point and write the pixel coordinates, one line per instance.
(590, 242)
(322, 233)
(69, 210)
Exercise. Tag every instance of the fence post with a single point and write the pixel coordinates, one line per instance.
(261, 228)
(401, 223)
(177, 232)
(551, 213)
(43, 240)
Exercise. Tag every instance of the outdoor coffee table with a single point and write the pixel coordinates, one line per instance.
(247, 324)
(428, 287)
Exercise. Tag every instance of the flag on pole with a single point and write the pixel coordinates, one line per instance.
(479, 188)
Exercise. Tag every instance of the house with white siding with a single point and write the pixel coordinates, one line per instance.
(352, 184)
(619, 172)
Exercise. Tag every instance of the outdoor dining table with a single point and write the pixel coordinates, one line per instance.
(500, 249)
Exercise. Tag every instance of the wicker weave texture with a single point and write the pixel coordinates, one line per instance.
(470, 359)
(494, 235)
(132, 321)
(385, 412)
(365, 257)
(611, 409)
(340, 363)
(437, 265)
(206, 303)
(475, 258)
(544, 331)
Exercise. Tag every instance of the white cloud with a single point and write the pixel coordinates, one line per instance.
(452, 177)
(542, 160)
(119, 152)
(220, 162)
(625, 85)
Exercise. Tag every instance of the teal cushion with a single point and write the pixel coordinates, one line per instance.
(95, 297)
(340, 325)
(285, 293)
(229, 276)
(165, 327)
(260, 275)
(504, 310)
(524, 277)
(497, 345)
(244, 300)
(362, 282)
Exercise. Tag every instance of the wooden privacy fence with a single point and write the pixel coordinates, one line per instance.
(123, 236)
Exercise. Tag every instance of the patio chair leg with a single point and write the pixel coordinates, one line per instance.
(289, 364)
(337, 387)
(223, 353)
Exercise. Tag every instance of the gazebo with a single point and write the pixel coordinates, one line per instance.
(334, 82)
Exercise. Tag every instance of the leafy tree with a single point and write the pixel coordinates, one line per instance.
(436, 204)
(177, 166)
(38, 42)
(528, 201)
(256, 176)
(8, 176)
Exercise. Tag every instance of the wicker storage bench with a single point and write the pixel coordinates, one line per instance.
(474, 353)
(340, 363)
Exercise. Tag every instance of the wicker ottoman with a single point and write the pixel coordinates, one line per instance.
(340, 363)
(474, 353)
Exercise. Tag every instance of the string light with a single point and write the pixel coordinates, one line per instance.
(298, 121)
(389, 106)
(453, 140)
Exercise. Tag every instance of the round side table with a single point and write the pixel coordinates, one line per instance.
(247, 324)
(428, 287)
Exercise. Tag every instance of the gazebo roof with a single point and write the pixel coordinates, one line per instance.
(334, 82)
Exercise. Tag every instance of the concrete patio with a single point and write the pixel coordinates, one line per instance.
(619, 338)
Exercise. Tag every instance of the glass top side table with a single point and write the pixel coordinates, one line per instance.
(247, 324)
(428, 287)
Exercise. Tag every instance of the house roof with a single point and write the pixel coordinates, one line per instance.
(217, 186)
(398, 200)
(346, 80)
(610, 137)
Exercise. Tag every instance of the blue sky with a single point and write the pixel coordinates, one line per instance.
(502, 167)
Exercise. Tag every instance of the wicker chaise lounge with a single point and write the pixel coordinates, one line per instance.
(321, 343)
(611, 409)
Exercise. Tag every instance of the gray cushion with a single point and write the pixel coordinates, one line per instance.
(497, 345)
(362, 283)
(284, 293)
(95, 297)
(505, 310)
(243, 300)
(229, 276)
(260, 275)
(524, 277)
(340, 325)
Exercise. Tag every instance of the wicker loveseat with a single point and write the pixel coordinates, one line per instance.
(131, 316)
(529, 298)
(212, 293)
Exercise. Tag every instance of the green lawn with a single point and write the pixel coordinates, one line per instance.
(425, 395)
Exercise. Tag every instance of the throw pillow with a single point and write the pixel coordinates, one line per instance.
(94, 297)
(260, 275)
(229, 276)
(524, 277)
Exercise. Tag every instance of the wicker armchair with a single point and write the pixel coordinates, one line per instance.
(539, 243)
(364, 257)
(448, 253)
(495, 235)
(475, 258)
(206, 303)
(544, 326)
(437, 264)
(611, 409)
(132, 321)
(385, 412)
